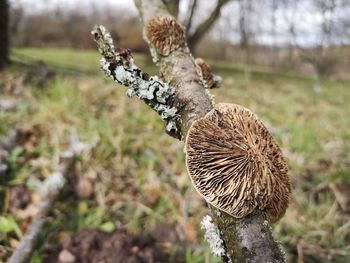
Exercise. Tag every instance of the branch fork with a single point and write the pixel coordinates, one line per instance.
(184, 101)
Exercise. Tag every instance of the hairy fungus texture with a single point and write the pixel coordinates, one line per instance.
(205, 72)
(236, 165)
(165, 34)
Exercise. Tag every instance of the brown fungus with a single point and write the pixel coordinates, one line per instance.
(165, 34)
(236, 165)
(206, 72)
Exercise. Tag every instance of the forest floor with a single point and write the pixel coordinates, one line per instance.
(133, 184)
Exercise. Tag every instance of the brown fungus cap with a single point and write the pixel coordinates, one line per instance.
(235, 163)
(165, 34)
(207, 75)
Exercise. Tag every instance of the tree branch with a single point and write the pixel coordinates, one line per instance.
(202, 28)
(189, 18)
(119, 65)
(248, 239)
(49, 190)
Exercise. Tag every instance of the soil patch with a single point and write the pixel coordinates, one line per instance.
(93, 246)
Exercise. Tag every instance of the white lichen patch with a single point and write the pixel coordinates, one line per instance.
(152, 90)
(119, 65)
(171, 126)
(104, 41)
(104, 66)
(213, 237)
(217, 212)
(211, 97)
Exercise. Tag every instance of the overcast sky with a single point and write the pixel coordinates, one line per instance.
(308, 18)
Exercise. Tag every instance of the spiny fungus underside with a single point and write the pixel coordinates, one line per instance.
(118, 64)
(236, 165)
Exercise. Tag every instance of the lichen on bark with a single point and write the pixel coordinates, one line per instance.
(193, 102)
(119, 65)
(212, 235)
(247, 239)
(251, 238)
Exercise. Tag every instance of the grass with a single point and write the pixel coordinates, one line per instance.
(138, 171)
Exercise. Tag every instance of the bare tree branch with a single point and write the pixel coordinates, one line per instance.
(118, 64)
(49, 190)
(248, 239)
(194, 38)
(189, 18)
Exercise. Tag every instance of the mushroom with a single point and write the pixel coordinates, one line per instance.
(236, 165)
(165, 34)
(206, 73)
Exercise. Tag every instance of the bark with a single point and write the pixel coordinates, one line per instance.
(118, 64)
(248, 239)
(4, 33)
(202, 28)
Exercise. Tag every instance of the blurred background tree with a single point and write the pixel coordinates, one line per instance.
(311, 37)
(4, 35)
(194, 35)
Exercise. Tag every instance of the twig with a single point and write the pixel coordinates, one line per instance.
(49, 191)
(248, 239)
(119, 65)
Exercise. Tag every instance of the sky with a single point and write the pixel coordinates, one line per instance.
(33, 6)
(308, 18)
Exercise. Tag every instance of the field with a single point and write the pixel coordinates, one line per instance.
(135, 176)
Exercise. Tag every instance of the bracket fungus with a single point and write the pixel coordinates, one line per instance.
(165, 34)
(236, 165)
(206, 72)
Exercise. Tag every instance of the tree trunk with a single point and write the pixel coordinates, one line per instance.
(4, 33)
(248, 239)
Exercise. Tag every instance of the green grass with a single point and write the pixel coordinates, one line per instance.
(84, 61)
(138, 171)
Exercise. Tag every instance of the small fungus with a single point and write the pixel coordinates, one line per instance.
(165, 34)
(206, 72)
(236, 165)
